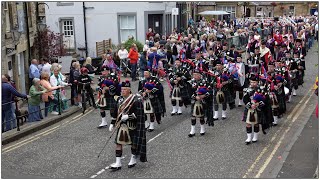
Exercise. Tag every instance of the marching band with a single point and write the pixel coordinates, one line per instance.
(212, 79)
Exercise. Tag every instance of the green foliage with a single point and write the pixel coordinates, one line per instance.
(129, 42)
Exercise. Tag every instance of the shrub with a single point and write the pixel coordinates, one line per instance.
(130, 41)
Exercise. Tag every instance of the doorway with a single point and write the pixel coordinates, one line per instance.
(155, 22)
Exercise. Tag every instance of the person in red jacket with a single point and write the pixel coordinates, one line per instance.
(133, 56)
(278, 41)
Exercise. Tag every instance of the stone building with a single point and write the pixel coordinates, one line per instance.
(254, 9)
(19, 28)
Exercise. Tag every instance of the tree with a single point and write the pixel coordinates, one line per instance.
(49, 45)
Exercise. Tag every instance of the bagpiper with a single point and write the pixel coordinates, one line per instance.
(254, 113)
(179, 87)
(108, 89)
(222, 93)
(301, 67)
(199, 102)
(272, 92)
(130, 127)
(153, 99)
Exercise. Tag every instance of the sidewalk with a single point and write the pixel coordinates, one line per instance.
(31, 127)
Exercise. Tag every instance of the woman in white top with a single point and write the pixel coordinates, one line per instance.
(57, 79)
(123, 54)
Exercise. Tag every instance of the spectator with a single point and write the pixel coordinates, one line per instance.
(163, 40)
(116, 59)
(146, 46)
(71, 79)
(150, 33)
(133, 56)
(40, 65)
(76, 75)
(48, 97)
(46, 67)
(56, 79)
(123, 54)
(8, 117)
(110, 63)
(34, 101)
(88, 64)
(33, 71)
(143, 62)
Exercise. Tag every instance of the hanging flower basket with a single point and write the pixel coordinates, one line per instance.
(274, 4)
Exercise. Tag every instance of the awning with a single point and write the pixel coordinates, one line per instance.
(214, 13)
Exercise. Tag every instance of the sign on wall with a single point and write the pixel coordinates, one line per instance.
(175, 11)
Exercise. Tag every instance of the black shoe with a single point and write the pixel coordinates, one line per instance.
(239, 105)
(179, 114)
(202, 134)
(274, 124)
(113, 169)
(150, 130)
(247, 143)
(254, 141)
(191, 135)
(223, 118)
(131, 166)
(172, 114)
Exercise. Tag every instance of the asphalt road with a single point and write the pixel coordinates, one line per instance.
(69, 149)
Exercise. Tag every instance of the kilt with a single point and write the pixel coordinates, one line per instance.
(261, 116)
(111, 103)
(282, 103)
(156, 104)
(227, 95)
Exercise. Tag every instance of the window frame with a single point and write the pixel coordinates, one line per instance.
(61, 24)
(7, 16)
(224, 8)
(119, 15)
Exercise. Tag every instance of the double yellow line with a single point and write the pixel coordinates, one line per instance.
(44, 133)
(295, 114)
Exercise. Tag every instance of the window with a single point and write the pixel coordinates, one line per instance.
(7, 16)
(68, 27)
(127, 25)
(291, 11)
(229, 9)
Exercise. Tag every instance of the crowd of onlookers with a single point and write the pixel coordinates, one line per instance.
(47, 85)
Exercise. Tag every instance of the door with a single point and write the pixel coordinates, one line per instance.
(68, 34)
(155, 22)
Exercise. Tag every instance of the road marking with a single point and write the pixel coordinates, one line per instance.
(282, 137)
(275, 135)
(81, 115)
(44, 133)
(21, 145)
(74, 120)
(93, 176)
(16, 144)
(155, 137)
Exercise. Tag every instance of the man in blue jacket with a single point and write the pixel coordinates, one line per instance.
(8, 117)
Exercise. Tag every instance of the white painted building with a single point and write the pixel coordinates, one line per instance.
(104, 20)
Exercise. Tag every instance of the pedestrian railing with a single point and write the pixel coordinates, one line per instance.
(16, 122)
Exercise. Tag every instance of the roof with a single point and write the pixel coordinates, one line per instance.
(213, 13)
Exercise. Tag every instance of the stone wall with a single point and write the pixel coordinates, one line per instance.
(18, 42)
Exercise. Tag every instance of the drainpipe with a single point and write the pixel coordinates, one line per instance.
(85, 29)
(27, 28)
